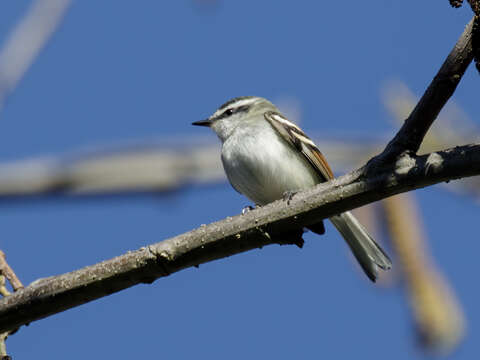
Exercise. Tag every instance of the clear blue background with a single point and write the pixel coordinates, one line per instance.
(121, 70)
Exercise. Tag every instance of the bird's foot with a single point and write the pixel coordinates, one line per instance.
(247, 209)
(288, 196)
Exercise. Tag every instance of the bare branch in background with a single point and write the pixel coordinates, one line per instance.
(154, 166)
(141, 167)
(144, 167)
(438, 316)
(410, 136)
(263, 226)
(26, 40)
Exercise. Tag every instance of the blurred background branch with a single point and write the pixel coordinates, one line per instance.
(26, 40)
(438, 316)
(145, 166)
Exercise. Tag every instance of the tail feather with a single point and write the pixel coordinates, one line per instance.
(367, 252)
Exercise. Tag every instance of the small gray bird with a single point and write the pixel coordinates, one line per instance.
(265, 156)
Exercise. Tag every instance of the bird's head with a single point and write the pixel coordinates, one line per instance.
(235, 112)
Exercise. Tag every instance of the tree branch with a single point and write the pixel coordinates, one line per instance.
(6, 270)
(274, 223)
(410, 136)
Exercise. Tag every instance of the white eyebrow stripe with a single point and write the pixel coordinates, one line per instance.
(236, 104)
(243, 102)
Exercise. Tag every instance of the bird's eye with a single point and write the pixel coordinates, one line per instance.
(229, 112)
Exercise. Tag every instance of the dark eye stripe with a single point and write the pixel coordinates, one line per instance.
(231, 111)
(243, 108)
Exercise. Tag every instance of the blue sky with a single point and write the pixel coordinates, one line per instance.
(118, 71)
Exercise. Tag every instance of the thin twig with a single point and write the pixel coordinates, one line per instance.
(3, 289)
(234, 234)
(7, 271)
(3, 347)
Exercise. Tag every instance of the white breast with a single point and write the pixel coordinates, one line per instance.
(262, 166)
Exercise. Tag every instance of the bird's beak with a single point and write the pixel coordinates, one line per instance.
(206, 122)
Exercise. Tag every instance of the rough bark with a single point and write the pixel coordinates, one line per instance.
(278, 222)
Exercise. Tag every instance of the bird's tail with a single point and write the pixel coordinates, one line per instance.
(367, 252)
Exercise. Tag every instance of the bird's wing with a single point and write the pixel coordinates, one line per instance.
(297, 138)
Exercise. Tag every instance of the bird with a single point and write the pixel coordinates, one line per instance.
(267, 157)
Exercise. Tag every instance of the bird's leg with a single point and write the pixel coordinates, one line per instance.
(288, 196)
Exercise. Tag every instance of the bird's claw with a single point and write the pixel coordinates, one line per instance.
(247, 209)
(288, 196)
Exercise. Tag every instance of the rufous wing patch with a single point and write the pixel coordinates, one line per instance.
(298, 139)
